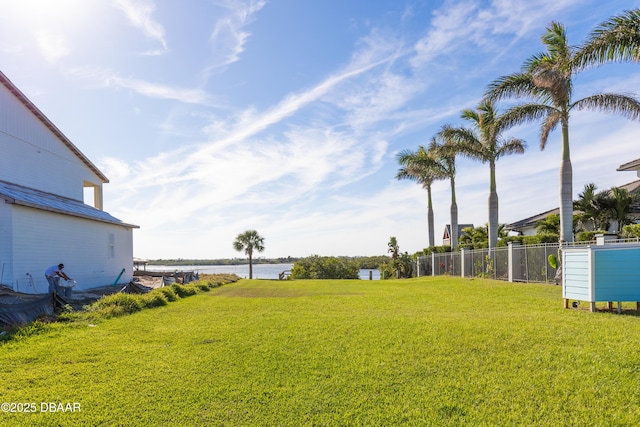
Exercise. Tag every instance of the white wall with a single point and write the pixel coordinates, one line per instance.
(6, 239)
(42, 239)
(34, 157)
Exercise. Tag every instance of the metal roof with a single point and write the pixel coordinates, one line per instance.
(631, 187)
(49, 124)
(532, 220)
(633, 165)
(29, 197)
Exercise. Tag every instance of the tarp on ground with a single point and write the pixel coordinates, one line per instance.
(18, 308)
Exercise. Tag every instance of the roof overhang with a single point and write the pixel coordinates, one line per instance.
(633, 165)
(28, 197)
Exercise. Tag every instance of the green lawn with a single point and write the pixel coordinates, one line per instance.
(429, 351)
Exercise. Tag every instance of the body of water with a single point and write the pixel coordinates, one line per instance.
(260, 271)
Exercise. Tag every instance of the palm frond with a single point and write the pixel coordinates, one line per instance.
(510, 146)
(525, 113)
(463, 141)
(555, 38)
(617, 39)
(548, 125)
(535, 62)
(624, 105)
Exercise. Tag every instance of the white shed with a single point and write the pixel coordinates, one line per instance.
(44, 219)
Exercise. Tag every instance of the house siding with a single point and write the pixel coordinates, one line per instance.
(34, 157)
(43, 239)
(6, 241)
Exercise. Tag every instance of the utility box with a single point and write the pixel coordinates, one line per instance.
(601, 273)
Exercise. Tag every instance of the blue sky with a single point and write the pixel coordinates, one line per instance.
(211, 117)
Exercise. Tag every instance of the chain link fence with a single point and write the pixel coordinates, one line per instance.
(515, 263)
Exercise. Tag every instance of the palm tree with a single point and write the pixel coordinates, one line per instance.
(421, 166)
(248, 242)
(484, 142)
(549, 225)
(478, 237)
(546, 80)
(622, 202)
(445, 155)
(595, 208)
(617, 39)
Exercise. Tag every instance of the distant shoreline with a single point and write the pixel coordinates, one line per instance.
(238, 261)
(365, 262)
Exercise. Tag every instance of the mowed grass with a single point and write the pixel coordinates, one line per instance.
(429, 351)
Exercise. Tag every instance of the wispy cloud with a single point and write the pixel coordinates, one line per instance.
(229, 35)
(140, 15)
(110, 78)
(468, 24)
(193, 96)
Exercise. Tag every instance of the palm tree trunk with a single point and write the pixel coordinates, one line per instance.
(250, 265)
(566, 189)
(493, 208)
(430, 218)
(454, 216)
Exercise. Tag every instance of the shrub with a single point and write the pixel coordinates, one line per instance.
(317, 267)
(203, 286)
(120, 303)
(532, 240)
(153, 299)
(386, 271)
(630, 231)
(182, 290)
(587, 236)
(168, 293)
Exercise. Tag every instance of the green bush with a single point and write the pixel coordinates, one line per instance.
(168, 293)
(531, 240)
(386, 271)
(182, 290)
(203, 286)
(153, 299)
(587, 236)
(117, 303)
(317, 267)
(630, 231)
(434, 249)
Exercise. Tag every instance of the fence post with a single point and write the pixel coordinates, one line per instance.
(463, 251)
(514, 261)
(602, 239)
(433, 264)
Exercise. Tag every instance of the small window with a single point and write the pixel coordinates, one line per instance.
(112, 245)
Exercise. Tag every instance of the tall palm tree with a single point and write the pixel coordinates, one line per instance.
(484, 142)
(248, 242)
(617, 39)
(546, 80)
(421, 166)
(445, 155)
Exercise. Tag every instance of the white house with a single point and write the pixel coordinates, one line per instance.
(446, 236)
(43, 218)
